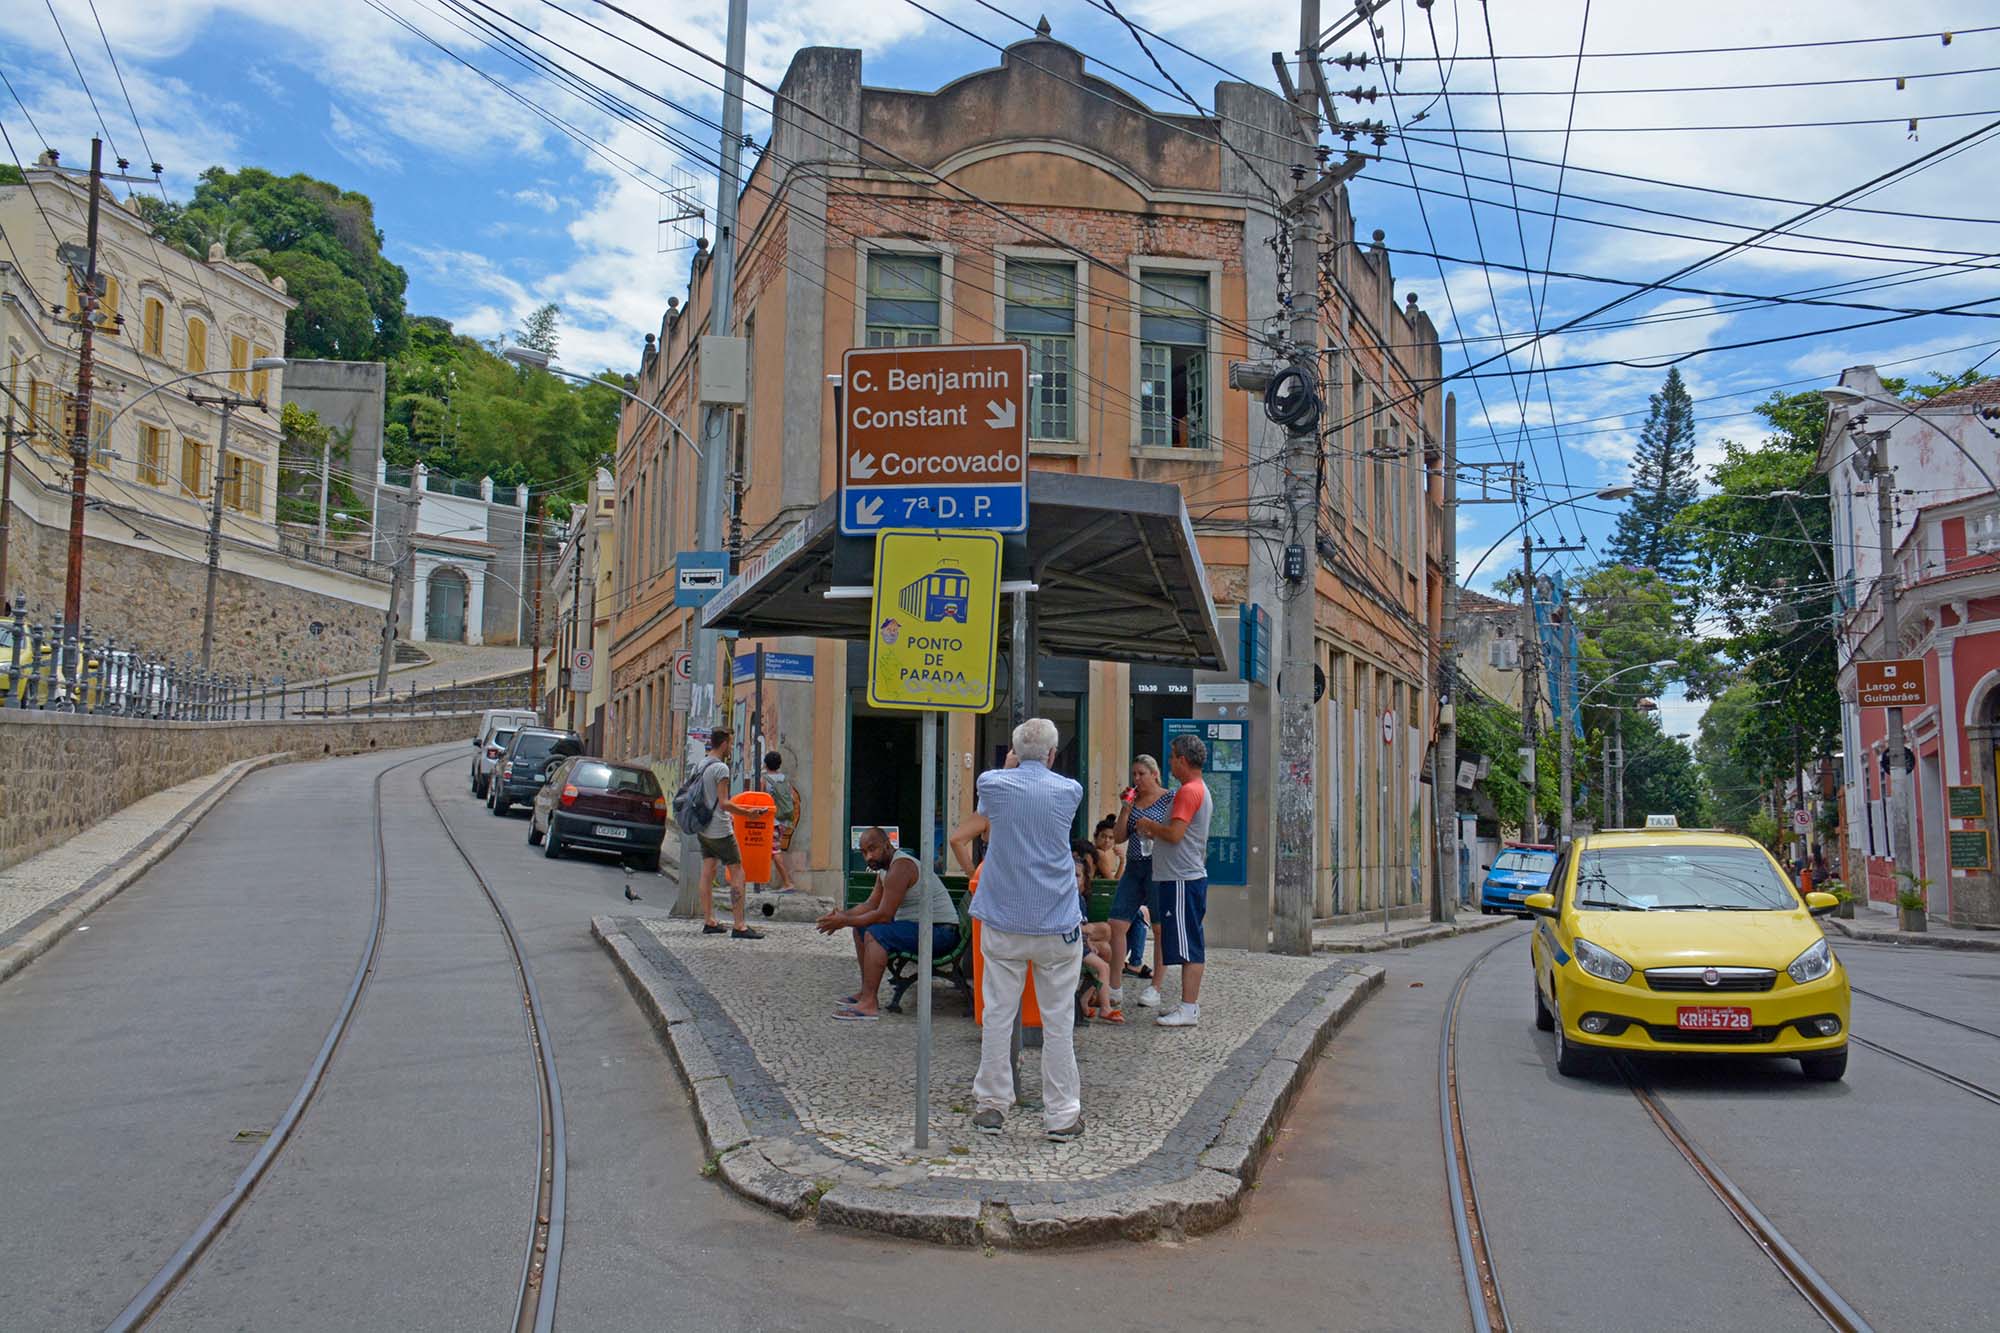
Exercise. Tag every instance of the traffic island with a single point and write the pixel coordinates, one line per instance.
(814, 1118)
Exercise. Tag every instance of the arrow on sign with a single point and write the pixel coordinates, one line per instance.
(868, 510)
(860, 467)
(1000, 416)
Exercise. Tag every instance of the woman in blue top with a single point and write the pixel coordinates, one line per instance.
(1148, 797)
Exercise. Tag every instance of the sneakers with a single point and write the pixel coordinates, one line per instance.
(1149, 998)
(712, 928)
(1182, 1016)
(1065, 1133)
(988, 1122)
(748, 933)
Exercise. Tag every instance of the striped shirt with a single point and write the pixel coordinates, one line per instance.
(1027, 884)
(1139, 847)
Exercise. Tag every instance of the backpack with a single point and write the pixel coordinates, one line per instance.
(692, 813)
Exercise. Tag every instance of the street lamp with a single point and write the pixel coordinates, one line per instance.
(1568, 806)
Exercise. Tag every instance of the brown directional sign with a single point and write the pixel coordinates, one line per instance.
(934, 437)
(1892, 684)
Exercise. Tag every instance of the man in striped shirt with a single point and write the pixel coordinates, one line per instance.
(1030, 917)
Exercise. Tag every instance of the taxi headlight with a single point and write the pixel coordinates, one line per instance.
(1601, 963)
(1813, 964)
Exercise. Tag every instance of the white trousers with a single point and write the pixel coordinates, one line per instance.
(1057, 963)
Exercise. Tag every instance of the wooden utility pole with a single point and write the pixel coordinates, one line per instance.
(399, 582)
(79, 443)
(1444, 781)
(6, 496)
(228, 403)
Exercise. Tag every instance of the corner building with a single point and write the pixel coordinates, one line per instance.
(1133, 252)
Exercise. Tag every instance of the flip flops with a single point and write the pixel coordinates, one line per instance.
(854, 1016)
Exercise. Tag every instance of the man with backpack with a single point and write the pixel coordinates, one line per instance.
(702, 807)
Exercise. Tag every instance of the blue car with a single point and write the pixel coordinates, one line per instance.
(1522, 868)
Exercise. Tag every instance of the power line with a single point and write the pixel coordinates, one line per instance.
(1729, 87)
(1946, 38)
(1708, 129)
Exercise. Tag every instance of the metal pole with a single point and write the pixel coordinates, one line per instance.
(757, 720)
(1618, 731)
(6, 493)
(1444, 784)
(325, 465)
(79, 442)
(927, 806)
(1900, 847)
(399, 582)
(228, 406)
(1531, 656)
(1565, 728)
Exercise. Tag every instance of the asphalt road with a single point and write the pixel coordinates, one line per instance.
(134, 1053)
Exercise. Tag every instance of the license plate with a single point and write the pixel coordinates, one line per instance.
(1714, 1018)
(607, 831)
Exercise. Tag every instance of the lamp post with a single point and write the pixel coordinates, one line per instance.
(1568, 811)
(1530, 638)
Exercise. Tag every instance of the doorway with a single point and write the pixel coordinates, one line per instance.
(444, 610)
(883, 779)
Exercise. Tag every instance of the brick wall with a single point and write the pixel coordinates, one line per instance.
(152, 601)
(63, 773)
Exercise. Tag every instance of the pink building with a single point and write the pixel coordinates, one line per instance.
(1945, 558)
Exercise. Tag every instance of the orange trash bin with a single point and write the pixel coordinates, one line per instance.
(755, 834)
(1031, 1013)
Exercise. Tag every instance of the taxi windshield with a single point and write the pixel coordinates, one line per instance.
(1534, 862)
(1668, 879)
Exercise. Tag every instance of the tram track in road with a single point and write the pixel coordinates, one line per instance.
(1911, 1008)
(1482, 1278)
(535, 1304)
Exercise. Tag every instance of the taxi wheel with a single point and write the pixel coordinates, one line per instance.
(1570, 1061)
(1544, 1020)
(1830, 1067)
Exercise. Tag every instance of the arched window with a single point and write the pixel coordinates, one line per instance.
(197, 348)
(107, 303)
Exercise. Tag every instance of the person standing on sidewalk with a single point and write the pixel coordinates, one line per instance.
(787, 797)
(1135, 887)
(718, 841)
(1180, 877)
(1030, 917)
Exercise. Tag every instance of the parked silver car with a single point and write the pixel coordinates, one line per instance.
(496, 727)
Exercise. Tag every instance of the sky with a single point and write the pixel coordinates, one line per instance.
(494, 209)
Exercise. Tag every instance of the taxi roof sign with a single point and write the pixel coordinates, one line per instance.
(934, 621)
(1662, 821)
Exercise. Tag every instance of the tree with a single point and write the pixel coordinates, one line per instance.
(1732, 779)
(321, 239)
(540, 330)
(1664, 471)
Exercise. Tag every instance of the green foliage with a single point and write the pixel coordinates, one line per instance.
(305, 436)
(1733, 781)
(1914, 893)
(11, 174)
(1660, 775)
(1494, 730)
(1664, 471)
(320, 238)
(540, 330)
(1764, 828)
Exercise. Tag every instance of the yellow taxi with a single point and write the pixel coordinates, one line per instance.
(1676, 941)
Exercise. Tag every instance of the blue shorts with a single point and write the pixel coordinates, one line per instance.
(1133, 891)
(901, 937)
(1179, 905)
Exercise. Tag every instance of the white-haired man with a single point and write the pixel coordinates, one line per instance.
(1030, 917)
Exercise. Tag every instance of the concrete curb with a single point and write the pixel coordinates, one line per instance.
(1921, 939)
(63, 916)
(1412, 938)
(778, 1176)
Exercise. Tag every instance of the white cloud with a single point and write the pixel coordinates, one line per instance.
(357, 143)
(536, 198)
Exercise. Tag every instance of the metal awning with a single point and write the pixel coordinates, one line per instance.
(1119, 577)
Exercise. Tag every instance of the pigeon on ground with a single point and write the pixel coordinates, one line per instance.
(630, 896)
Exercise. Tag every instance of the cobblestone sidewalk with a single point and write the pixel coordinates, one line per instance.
(44, 896)
(810, 1115)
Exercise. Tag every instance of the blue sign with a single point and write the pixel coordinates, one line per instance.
(867, 509)
(699, 575)
(1228, 779)
(1253, 644)
(777, 666)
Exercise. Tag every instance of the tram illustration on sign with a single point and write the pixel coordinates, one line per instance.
(938, 596)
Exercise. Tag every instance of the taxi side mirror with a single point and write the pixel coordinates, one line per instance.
(1540, 904)
(1821, 904)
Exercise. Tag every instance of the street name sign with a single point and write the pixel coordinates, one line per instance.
(777, 666)
(1897, 683)
(933, 626)
(934, 437)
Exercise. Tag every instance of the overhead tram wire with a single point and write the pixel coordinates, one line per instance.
(78, 67)
(1768, 46)
(1735, 87)
(1980, 114)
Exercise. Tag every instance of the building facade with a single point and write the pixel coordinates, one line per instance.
(576, 670)
(165, 325)
(471, 578)
(1133, 252)
(1945, 560)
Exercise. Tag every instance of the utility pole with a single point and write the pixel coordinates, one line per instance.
(1618, 731)
(1897, 777)
(715, 416)
(1565, 724)
(228, 403)
(1531, 656)
(575, 615)
(536, 526)
(1444, 783)
(79, 443)
(6, 495)
(325, 466)
(399, 581)
(1605, 812)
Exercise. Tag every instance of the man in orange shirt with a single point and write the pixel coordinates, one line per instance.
(1180, 877)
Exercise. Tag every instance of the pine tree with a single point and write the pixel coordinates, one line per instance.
(1663, 469)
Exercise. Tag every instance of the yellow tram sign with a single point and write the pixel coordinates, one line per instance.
(934, 622)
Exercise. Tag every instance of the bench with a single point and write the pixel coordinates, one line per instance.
(953, 965)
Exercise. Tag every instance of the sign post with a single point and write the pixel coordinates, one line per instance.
(933, 637)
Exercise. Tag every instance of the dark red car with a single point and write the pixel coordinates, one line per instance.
(607, 807)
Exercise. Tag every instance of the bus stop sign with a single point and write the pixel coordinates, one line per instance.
(934, 622)
(934, 437)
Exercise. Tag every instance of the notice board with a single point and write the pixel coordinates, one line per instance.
(1228, 778)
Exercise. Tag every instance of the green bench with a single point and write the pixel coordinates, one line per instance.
(955, 964)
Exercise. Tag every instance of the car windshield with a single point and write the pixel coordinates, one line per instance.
(1540, 863)
(500, 739)
(1667, 879)
(615, 778)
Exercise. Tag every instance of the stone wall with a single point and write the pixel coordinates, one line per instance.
(65, 772)
(152, 600)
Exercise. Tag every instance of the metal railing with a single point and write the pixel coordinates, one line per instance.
(43, 670)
